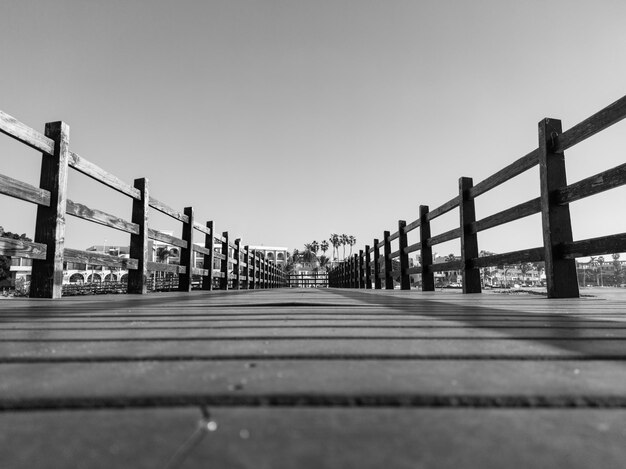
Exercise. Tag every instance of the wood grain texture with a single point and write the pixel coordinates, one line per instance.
(20, 248)
(413, 247)
(21, 132)
(199, 271)
(413, 225)
(24, 191)
(102, 218)
(201, 229)
(95, 172)
(601, 120)
(445, 208)
(167, 210)
(201, 249)
(505, 174)
(592, 185)
(97, 258)
(506, 216)
(137, 279)
(594, 246)
(443, 237)
(426, 253)
(447, 266)
(160, 267)
(168, 239)
(509, 258)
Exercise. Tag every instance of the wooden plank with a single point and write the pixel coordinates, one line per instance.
(219, 255)
(443, 237)
(426, 253)
(446, 266)
(47, 275)
(469, 240)
(201, 250)
(601, 120)
(202, 229)
(414, 270)
(21, 132)
(509, 258)
(168, 239)
(137, 279)
(167, 210)
(394, 236)
(595, 246)
(312, 438)
(413, 225)
(98, 258)
(561, 277)
(592, 185)
(186, 253)
(102, 218)
(24, 191)
(95, 172)
(19, 248)
(445, 208)
(160, 267)
(413, 248)
(209, 243)
(507, 173)
(506, 216)
(199, 271)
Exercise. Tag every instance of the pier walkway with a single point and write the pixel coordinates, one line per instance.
(311, 378)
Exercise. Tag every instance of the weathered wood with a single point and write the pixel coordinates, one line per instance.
(510, 258)
(443, 237)
(47, 274)
(561, 275)
(426, 252)
(167, 210)
(254, 274)
(95, 172)
(218, 255)
(21, 132)
(138, 279)
(165, 238)
(447, 266)
(414, 270)
(395, 254)
(368, 267)
(209, 256)
(98, 258)
(186, 253)
(469, 240)
(24, 191)
(102, 218)
(20, 248)
(601, 120)
(387, 271)
(592, 185)
(442, 209)
(237, 268)
(412, 248)
(202, 229)
(594, 246)
(225, 262)
(394, 236)
(505, 216)
(246, 261)
(405, 281)
(377, 282)
(161, 267)
(200, 272)
(412, 226)
(506, 174)
(201, 249)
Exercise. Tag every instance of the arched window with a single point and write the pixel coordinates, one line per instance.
(77, 278)
(95, 278)
(280, 256)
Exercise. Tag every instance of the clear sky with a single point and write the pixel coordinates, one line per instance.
(286, 120)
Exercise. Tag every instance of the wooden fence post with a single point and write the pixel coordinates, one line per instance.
(209, 243)
(138, 279)
(186, 254)
(557, 226)
(405, 281)
(47, 275)
(224, 265)
(253, 285)
(355, 271)
(368, 268)
(237, 264)
(361, 270)
(377, 281)
(387, 261)
(469, 240)
(426, 251)
(246, 261)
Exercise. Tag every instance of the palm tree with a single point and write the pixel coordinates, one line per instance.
(343, 239)
(351, 242)
(601, 262)
(324, 246)
(315, 247)
(525, 268)
(334, 240)
(324, 262)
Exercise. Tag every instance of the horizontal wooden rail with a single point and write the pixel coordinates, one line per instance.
(508, 258)
(20, 248)
(506, 216)
(165, 238)
(161, 267)
(95, 172)
(595, 246)
(167, 210)
(592, 185)
(446, 266)
(443, 209)
(443, 237)
(24, 191)
(506, 174)
(97, 258)
(102, 218)
(21, 132)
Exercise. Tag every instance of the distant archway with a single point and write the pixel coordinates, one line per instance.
(77, 278)
(94, 278)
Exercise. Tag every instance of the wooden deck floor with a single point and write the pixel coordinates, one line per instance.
(312, 378)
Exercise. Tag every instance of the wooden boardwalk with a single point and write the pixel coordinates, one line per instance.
(307, 378)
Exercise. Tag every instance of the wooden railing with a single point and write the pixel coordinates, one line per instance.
(373, 267)
(240, 267)
(307, 280)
